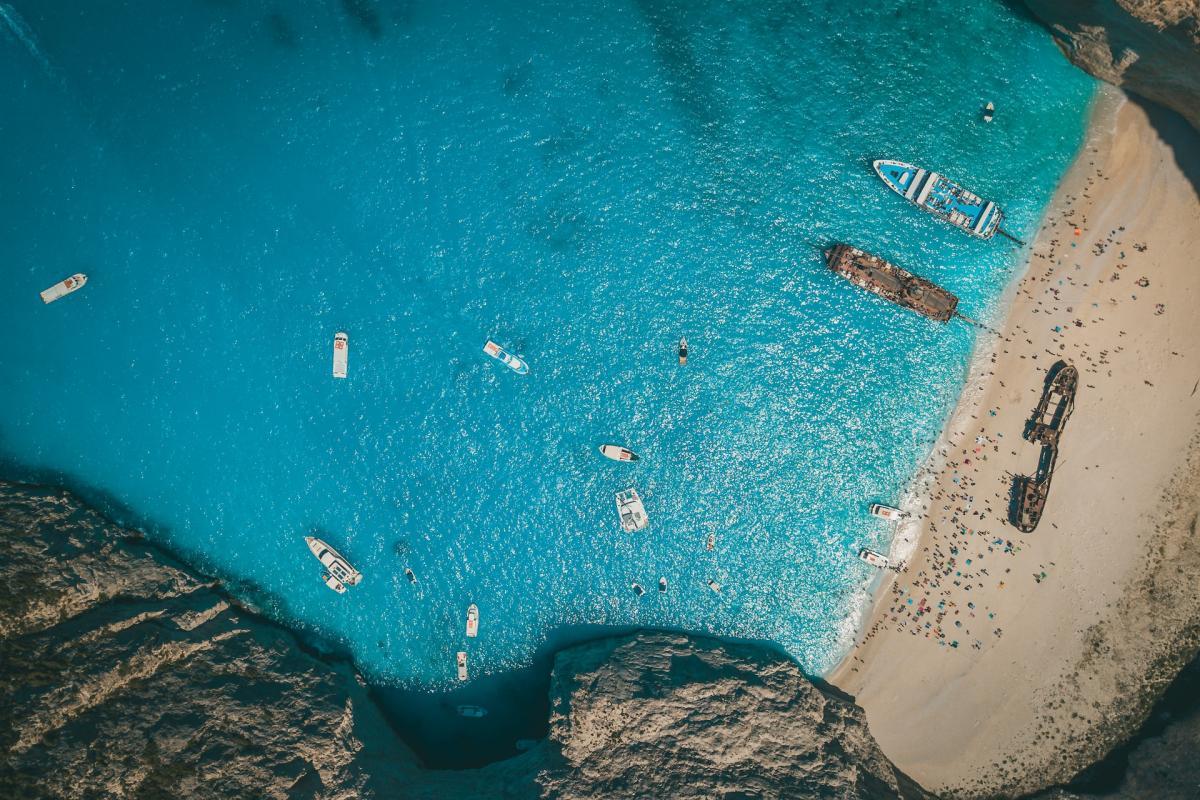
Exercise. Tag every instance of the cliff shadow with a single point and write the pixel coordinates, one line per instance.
(1177, 134)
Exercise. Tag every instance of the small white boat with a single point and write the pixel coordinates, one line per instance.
(889, 513)
(711, 543)
(412, 576)
(989, 111)
(341, 353)
(662, 584)
(64, 287)
(637, 589)
(618, 453)
(716, 587)
(472, 620)
(335, 564)
(472, 712)
(461, 659)
(507, 359)
(632, 512)
(683, 352)
(878, 560)
(333, 583)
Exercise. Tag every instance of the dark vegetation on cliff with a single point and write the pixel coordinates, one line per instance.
(127, 675)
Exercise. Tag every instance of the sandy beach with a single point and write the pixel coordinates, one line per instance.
(998, 662)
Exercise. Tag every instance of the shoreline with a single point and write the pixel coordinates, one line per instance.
(938, 678)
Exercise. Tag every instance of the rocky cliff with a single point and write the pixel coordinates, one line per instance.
(123, 674)
(1151, 47)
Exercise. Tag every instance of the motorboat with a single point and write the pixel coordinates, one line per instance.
(472, 712)
(889, 513)
(341, 353)
(637, 589)
(507, 359)
(472, 620)
(460, 659)
(878, 560)
(334, 562)
(64, 287)
(618, 453)
(683, 351)
(662, 584)
(716, 587)
(412, 576)
(989, 111)
(631, 511)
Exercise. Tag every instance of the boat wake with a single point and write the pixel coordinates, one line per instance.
(15, 26)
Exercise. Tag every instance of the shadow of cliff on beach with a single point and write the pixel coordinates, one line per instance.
(1179, 136)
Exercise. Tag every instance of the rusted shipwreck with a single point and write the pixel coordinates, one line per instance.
(892, 283)
(1045, 427)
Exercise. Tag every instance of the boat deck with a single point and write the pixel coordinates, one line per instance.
(892, 283)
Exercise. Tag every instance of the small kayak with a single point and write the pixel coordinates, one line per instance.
(461, 660)
(637, 589)
(412, 576)
(472, 712)
(716, 587)
(341, 353)
(618, 453)
(472, 620)
(683, 352)
(64, 287)
(887, 512)
(989, 111)
(507, 359)
(877, 560)
(662, 584)
(333, 583)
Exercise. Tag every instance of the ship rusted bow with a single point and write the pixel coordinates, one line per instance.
(891, 282)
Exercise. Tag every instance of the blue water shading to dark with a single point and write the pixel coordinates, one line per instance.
(583, 183)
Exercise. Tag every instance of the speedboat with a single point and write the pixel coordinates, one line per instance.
(333, 583)
(878, 560)
(334, 562)
(989, 111)
(472, 620)
(662, 584)
(887, 512)
(637, 589)
(473, 712)
(341, 353)
(507, 359)
(412, 576)
(64, 287)
(632, 512)
(712, 541)
(683, 351)
(460, 659)
(716, 587)
(618, 453)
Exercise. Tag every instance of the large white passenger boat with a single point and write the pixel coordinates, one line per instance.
(64, 287)
(336, 566)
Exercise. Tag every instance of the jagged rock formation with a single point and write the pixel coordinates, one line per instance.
(125, 675)
(1151, 47)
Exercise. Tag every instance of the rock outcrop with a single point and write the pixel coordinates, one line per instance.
(123, 674)
(1150, 47)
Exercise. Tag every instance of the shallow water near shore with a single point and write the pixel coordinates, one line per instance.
(583, 185)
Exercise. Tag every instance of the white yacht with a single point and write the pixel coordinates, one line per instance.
(341, 353)
(632, 512)
(336, 566)
(618, 453)
(877, 560)
(472, 620)
(889, 513)
(64, 287)
(461, 660)
(504, 357)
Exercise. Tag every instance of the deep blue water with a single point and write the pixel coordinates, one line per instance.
(583, 183)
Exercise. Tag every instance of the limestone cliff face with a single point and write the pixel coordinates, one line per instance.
(1151, 47)
(123, 674)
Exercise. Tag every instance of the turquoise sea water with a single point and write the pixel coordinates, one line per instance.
(583, 183)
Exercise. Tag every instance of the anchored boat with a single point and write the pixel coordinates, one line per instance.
(887, 512)
(472, 620)
(618, 453)
(460, 659)
(64, 287)
(336, 566)
(683, 352)
(878, 560)
(989, 111)
(632, 512)
(941, 197)
(892, 283)
(507, 359)
(341, 353)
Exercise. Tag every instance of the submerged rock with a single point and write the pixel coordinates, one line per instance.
(127, 675)
(1151, 47)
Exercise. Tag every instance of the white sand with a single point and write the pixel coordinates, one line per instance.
(1048, 671)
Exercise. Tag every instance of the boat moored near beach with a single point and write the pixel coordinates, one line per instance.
(341, 353)
(64, 288)
(336, 566)
(878, 560)
(941, 197)
(507, 359)
(618, 453)
(889, 513)
(892, 283)
(472, 621)
(632, 512)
